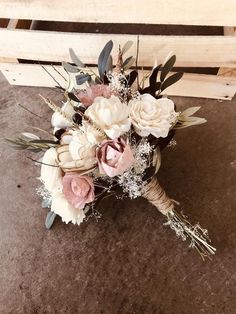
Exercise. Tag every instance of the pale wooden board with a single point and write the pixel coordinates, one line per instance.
(192, 85)
(228, 31)
(189, 12)
(191, 51)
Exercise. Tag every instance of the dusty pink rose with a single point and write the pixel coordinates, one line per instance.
(78, 190)
(114, 157)
(87, 96)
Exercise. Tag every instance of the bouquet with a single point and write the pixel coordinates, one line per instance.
(107, 140)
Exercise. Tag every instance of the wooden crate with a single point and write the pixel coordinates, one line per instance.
(30, 57)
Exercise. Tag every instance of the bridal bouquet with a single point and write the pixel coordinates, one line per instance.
(107, 139)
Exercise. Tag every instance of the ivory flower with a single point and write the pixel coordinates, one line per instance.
(111, 115)
(51, 174)
(60, 122)
(152, 116)
(65, 210)
(76, 153)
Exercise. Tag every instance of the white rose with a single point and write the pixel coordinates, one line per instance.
(152, 116)
(51, 174)
(111, 115)
(65, 210)
(58, 121)
(76, 153)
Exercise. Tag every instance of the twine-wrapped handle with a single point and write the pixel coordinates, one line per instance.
(156, 195)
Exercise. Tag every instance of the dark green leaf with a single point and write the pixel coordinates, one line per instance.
(82, 78)
(148, 173)
(50, 219)
(131, 77)
(75, 59)
(167, 67)
(69, 68)
(60, 88)
(153, 80)
(73, 97)
(103, 58)
(158, 86)
(172, 80)
(146, 90)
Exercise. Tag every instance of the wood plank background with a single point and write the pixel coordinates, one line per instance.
(192, 85)
(184, 12)
(191, 51)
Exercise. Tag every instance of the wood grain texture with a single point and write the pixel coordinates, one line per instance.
(184, 12)
(191, 51)
(228, 31)
(192, 85)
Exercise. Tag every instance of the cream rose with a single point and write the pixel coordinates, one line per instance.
(152, 116)
(76, 152)
(111, 115)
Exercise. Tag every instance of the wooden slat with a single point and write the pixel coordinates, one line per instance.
(192, 85)
(191, 51)
(12, 24)
(184, 12)
(228, 31)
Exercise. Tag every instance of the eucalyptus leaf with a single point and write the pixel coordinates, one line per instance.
(128, 63)
(46, 203)
(43, 142)
(153, 80)
(50, 219)
(75, 59)
(126, 46)
(190, 111)
(30, 136)
(69, 68)
(172, 80)
(103, 58)
(109, 66)
(149, 173)
(73, 97)
(186, 124)
(82, 78)
(167, 67)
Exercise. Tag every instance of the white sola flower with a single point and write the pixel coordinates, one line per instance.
(152, 116)
(58, 121)
(51, 176)
(111, 115)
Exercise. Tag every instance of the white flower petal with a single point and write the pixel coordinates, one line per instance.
(51, 174)
(111, 115)
(65, 210)
(152, 116)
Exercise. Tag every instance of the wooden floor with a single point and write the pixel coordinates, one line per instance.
(127, 262)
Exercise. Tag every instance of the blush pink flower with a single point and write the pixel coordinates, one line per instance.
(87, 96)
(78, 190)
(114, 157)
